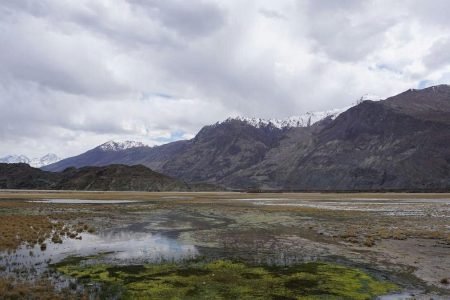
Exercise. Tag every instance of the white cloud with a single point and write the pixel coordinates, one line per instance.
(74, 74)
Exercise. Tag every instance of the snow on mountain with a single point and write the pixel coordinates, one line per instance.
(36, 162)
(304, 120)
(119, 146)
(47, 159)
(14, 159)
(370, 97)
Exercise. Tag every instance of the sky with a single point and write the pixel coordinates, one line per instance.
(75, 74)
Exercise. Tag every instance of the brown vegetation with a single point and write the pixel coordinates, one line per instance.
(16, 229)
(30, 223)
(40, 289)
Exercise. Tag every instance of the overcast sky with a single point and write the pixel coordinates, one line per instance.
(74, 74)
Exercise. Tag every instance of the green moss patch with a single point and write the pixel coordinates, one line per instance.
(223, 279)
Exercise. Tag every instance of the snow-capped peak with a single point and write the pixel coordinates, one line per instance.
(119, 146)
(304, 120)
(14, 159)
(36, 162)
(45, 160)
(370, 97)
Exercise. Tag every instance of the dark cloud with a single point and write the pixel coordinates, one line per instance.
(195, 18)
(331, 6)
(439, 55)
(271, 14)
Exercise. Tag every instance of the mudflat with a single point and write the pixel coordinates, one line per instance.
(191, 245)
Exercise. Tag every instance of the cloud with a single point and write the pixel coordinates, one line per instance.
(196, 18)
(74, 74)
(346, 30)
(271, 14)
(439, 55)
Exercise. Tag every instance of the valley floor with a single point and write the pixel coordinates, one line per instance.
(54, 244)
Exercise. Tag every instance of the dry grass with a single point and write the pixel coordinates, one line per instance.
(206, 196)
(30, 223)
(16, 229)
(41, 289)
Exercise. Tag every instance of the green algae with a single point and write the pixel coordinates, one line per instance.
(223, 279)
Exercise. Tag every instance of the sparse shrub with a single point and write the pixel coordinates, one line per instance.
(399, 236)
(56, 239)
(353, 240)
(369, 242)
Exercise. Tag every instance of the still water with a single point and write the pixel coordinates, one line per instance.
(118, 247)
(82, 201)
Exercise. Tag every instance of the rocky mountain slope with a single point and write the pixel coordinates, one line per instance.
(131, 152)
(22, 176)
(402, 142)
(109, 178)
(152, 157)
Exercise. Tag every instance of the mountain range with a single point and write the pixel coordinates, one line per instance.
(400, 143)
(36, 162)
(107, 178)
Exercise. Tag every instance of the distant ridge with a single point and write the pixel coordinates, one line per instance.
(108, 178)
(400, 143)
(134, 152)
(304, 120)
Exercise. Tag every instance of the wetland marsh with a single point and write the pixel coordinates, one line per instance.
(224, 245)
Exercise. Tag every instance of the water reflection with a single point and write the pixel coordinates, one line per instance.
(121, 247)
(407, 295)
(82, 201)
(390, 207)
